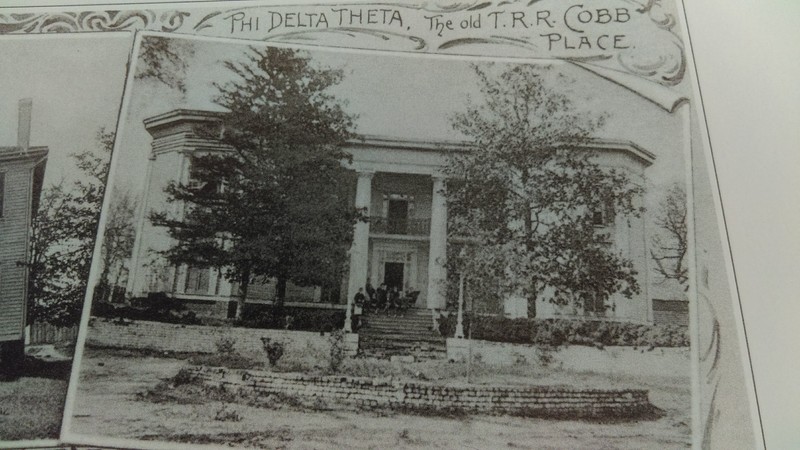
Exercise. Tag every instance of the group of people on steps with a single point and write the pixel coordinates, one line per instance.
(385, 299)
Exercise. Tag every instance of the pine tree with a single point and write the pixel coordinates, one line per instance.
(278, 203)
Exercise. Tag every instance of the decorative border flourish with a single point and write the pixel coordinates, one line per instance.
(665, 65)
(69, 22)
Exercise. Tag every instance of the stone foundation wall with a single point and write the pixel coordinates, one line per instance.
(624, 361)
(159, 336)
(544, 401)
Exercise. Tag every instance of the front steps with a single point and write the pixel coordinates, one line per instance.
(410, 333)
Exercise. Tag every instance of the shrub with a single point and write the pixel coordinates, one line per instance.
(157, 307)
(557, 332)
(337, 354)
(300, 319)
(225, 345)
(544, 355)
(227, 415)
(104, 309)
(226, 356)
(274, 350)
(159, 301)
(184, 376)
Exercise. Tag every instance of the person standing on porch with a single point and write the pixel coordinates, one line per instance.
(358, 301)
(370, 294)
(381, 293)
(394, 299)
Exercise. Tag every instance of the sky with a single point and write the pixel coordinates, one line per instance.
(76, 83)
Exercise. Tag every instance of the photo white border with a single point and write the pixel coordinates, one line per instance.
(72, 438)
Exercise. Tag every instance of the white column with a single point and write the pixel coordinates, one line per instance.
(180, 279)
(359, 251)
(437, 256)
(136, 285)
(460, 324)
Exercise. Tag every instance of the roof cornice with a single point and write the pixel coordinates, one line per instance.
(182, 115)
(433, 145)
(12, 154)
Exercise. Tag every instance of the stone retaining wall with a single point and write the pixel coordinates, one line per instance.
(623, 361)
(534, 401)
(163, 337)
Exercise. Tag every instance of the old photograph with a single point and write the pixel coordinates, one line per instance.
(328, 248)
(56, 133)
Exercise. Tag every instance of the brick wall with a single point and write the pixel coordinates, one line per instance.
(197, 338)
(385, 393)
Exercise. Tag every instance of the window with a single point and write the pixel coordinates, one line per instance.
(592, 304)
(195, 181)
(2, 193)
(598, 218)
(603, 216)
(397, 220)
(197, 280)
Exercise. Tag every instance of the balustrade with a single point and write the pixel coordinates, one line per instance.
(408, 227)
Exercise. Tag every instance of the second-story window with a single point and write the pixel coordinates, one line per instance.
(397, 216)
(201, 183)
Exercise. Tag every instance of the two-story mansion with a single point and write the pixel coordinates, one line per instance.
(403, 245)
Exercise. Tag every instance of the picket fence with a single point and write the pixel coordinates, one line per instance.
(45, 333)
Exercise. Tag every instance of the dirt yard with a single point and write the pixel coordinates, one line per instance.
(111, 401)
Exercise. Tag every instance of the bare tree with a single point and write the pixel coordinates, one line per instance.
(669, 244)
(62, 241)
(117, 242)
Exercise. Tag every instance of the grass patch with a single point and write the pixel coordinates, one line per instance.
(33, 408)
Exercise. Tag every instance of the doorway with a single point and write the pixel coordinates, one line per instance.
(393, 275)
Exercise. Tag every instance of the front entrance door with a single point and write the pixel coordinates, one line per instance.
(393, 275)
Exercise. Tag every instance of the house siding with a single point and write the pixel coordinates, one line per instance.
(14, 235)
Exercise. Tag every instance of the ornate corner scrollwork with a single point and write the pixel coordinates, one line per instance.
(668, 65)
(69, 22)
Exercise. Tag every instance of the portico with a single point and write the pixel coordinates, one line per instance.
(401, 187)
